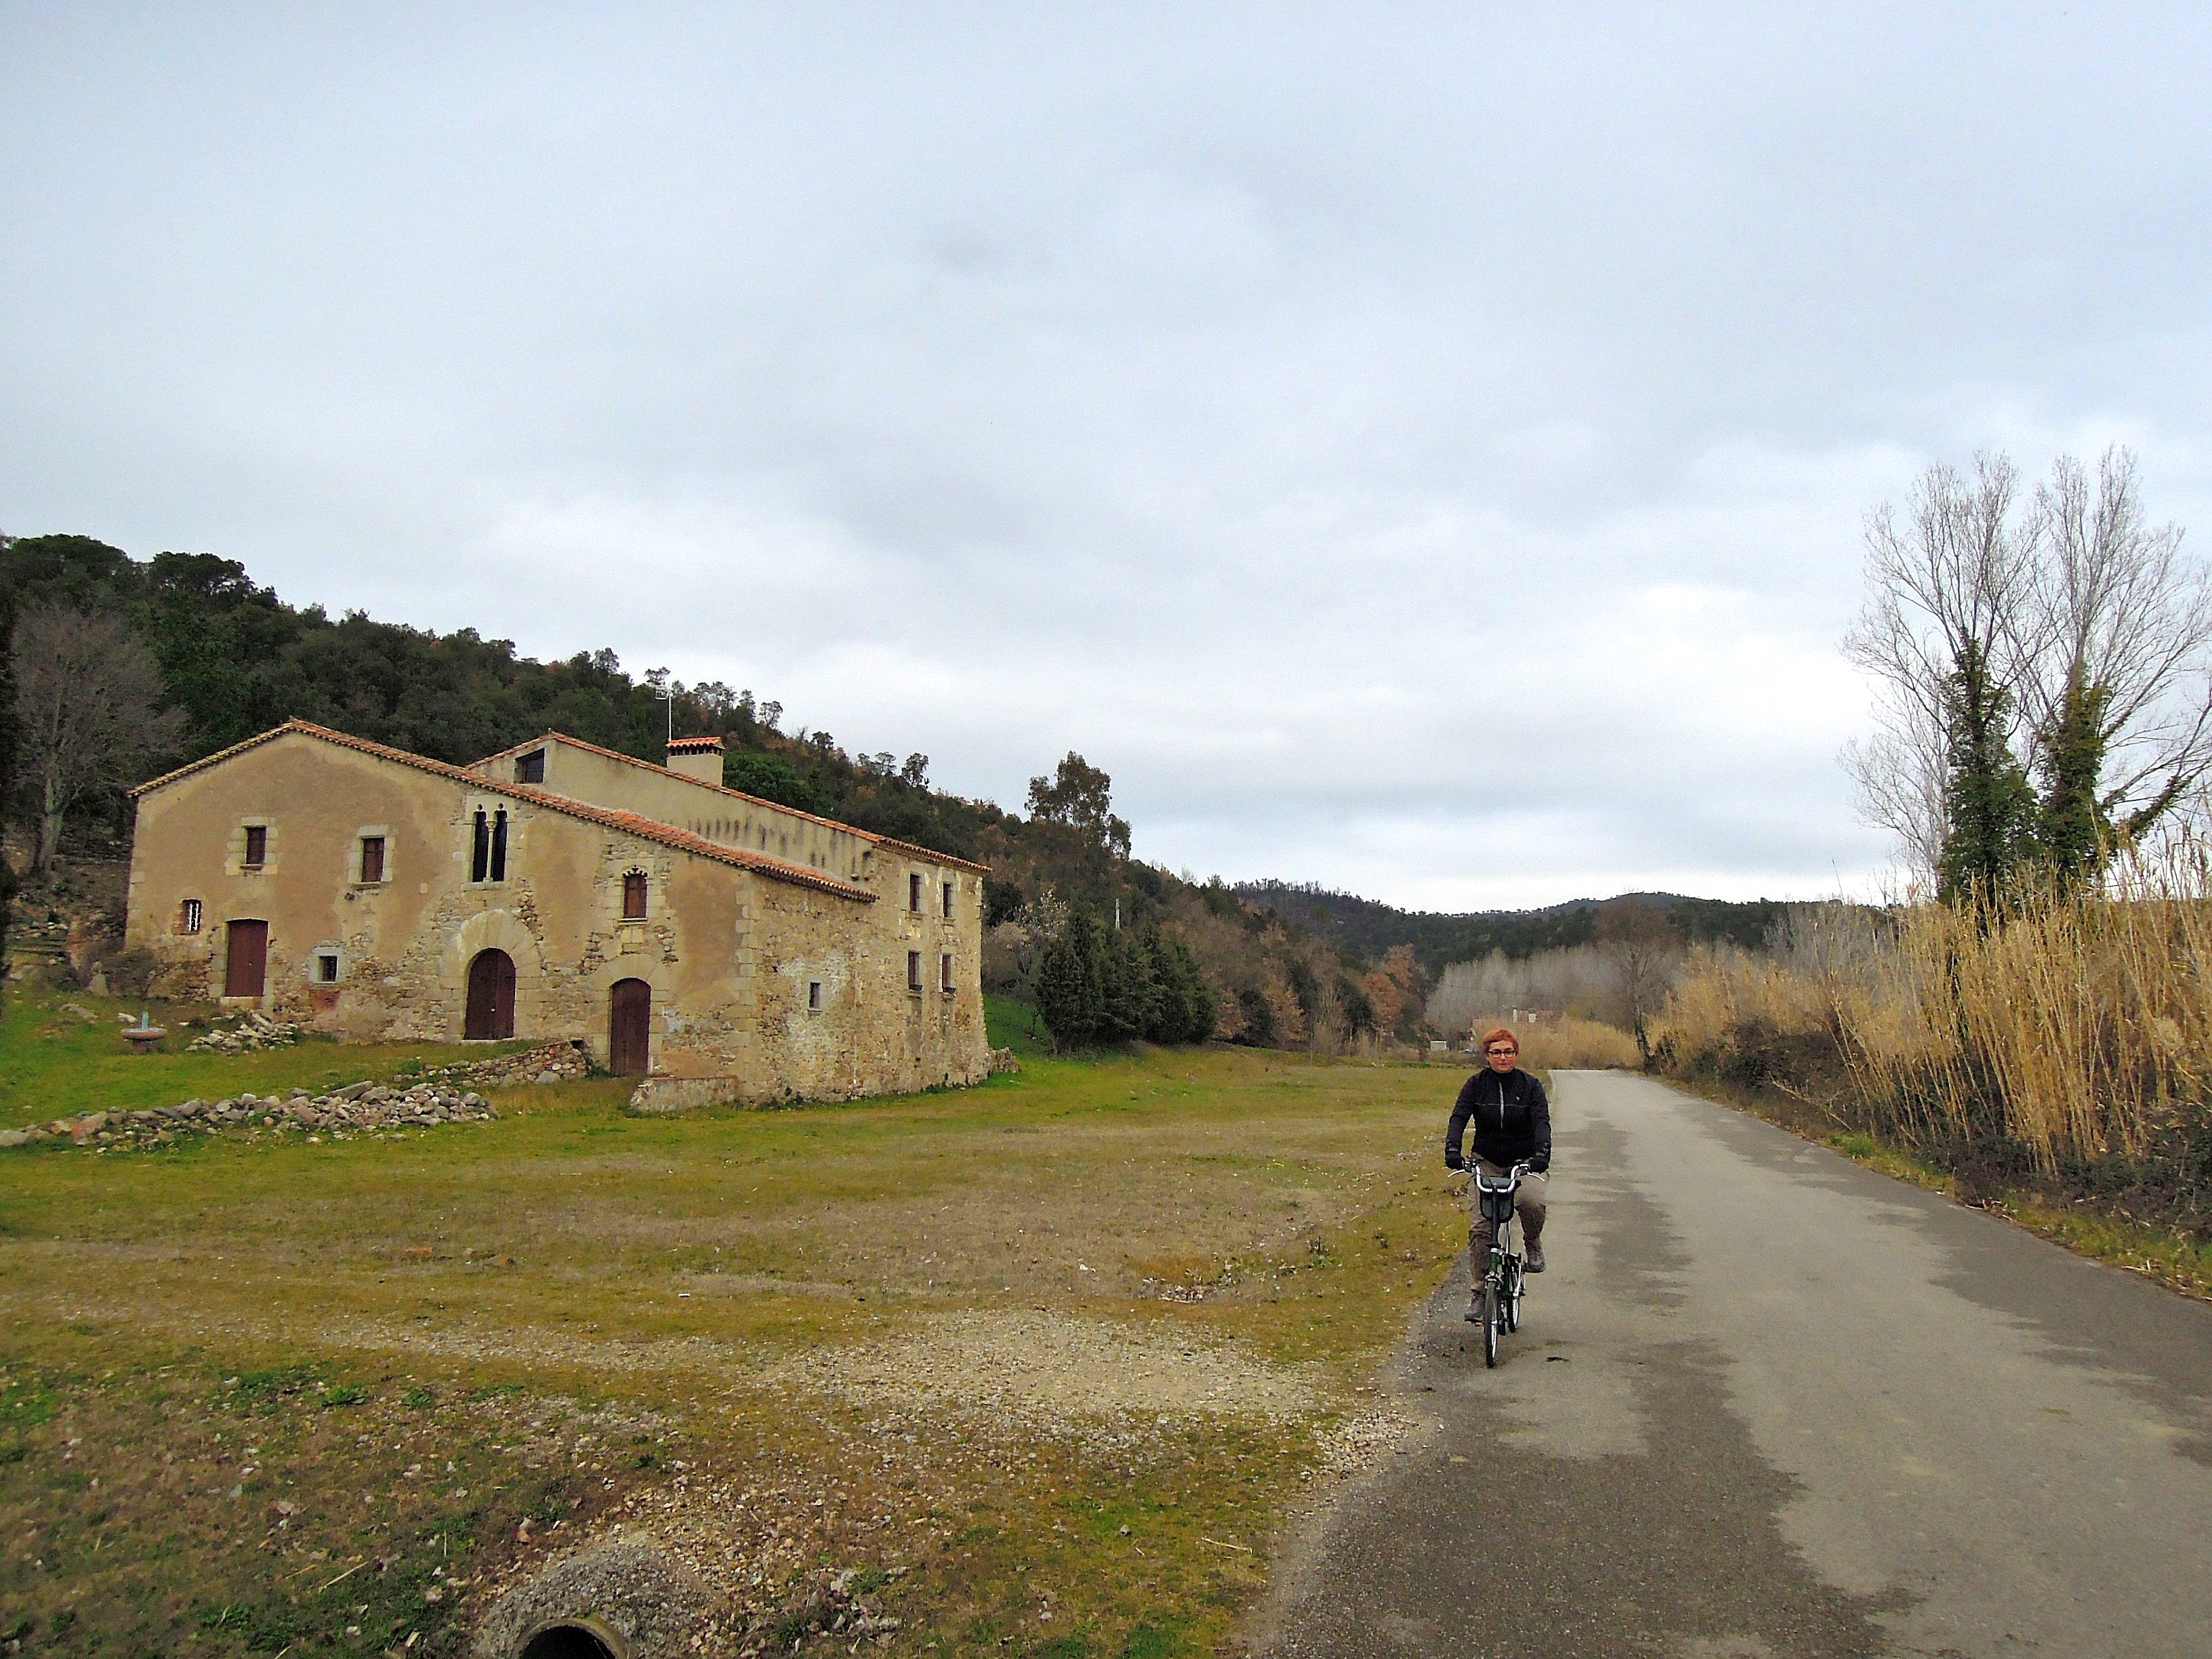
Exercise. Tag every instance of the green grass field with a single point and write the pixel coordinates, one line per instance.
(1046, 1364)
(55, 1059)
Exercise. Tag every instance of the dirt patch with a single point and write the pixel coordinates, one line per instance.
(1040, 1370)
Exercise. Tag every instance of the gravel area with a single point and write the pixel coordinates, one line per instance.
(1039, 1369)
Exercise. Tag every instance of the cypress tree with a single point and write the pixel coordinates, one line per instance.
(1169, 1007)
(1070, 988)
(1131, 994)
(1201, 1002)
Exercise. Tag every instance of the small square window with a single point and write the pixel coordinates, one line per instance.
(326, 968)
(531, 768)
(914, 894)
(814, 996)
(256, 846)
(913, 970)
(188, 921)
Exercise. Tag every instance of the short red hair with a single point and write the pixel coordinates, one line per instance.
(1502, 1031)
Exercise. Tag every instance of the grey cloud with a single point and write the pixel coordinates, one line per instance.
(1289, 415)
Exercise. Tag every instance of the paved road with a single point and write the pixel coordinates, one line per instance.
(1767, 1403)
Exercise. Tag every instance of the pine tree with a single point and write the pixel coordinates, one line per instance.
(1070, 988)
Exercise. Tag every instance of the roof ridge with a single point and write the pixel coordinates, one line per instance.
(868, 836)
(629, 822)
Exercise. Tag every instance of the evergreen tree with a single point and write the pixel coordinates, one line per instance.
(1201, 1000)
(1989, 807)
(1070, 994)
(1132, 993)
(2073, 827)
(1172, 1011)
(1259, 1017)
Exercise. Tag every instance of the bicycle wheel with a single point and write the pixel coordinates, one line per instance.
(1513, 1298)
(1493, 1317)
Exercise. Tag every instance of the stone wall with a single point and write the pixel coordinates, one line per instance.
(729, 953)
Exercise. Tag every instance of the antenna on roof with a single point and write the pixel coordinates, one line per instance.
(664, 689)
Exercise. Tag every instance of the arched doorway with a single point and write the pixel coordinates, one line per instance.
(629, 1028)
(490, 1015)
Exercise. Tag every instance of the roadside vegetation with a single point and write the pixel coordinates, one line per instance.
(2052, 1056)
(2032, 1027)
(1042, 1366)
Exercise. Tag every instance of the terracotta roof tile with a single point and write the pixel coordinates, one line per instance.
(629, 823)
(868, 836)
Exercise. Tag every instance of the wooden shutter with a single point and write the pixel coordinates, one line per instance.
(372, 858)
(257, 845)
(634, 897)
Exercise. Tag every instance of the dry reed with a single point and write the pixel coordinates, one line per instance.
(1587, 1044)
(2062, 1032)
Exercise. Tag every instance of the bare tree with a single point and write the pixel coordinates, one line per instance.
(1646, 947)
(2119, 620)
(1942, 590)
(87, 696)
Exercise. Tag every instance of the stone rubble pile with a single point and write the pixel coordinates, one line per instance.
(549, 1062)
(359, 1109)
(254, 1031)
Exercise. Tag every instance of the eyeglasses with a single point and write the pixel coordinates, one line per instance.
(1501, 1051)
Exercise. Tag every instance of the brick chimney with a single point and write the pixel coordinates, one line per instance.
(696, 757)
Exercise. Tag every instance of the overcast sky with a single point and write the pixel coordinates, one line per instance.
(1418, 450)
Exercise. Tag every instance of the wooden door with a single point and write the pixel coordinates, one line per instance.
(490, 1015)
(629, 1028)
(246, 961)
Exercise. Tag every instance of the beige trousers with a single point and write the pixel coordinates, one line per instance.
(1527, 1206)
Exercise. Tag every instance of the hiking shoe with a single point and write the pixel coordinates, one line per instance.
(1535, 1257)
(1473, 1313)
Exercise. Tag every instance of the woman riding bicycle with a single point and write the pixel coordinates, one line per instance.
(1512, 1125)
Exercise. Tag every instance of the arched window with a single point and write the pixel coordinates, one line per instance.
(633, 896)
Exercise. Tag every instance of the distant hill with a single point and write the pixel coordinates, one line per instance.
(1367, 928)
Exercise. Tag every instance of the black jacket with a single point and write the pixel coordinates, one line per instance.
(1512, 1118)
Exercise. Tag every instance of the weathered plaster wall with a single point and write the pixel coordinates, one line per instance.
(729, 953)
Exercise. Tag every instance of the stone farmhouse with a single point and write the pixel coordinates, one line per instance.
(720, 947)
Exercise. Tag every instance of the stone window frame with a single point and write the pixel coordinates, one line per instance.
(945, 974)
(362, 835)
(948, 886)
(241, 839)
(813, 996)
(191, 916)
(643, 877)
(333, 954)
(913, 972)
(499, 841)
(914, 892)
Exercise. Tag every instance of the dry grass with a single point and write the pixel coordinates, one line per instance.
(1576, 1045)
(2063, 1038)
(993, 1349)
